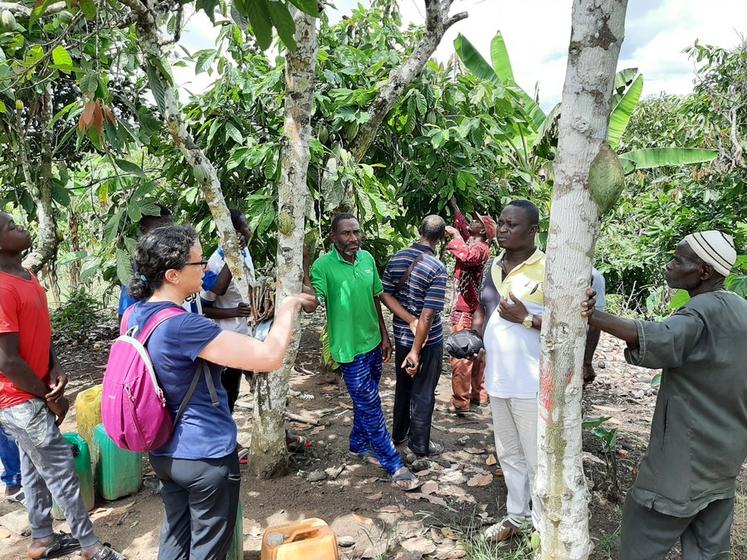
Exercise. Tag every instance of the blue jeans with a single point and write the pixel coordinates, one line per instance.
(11, 460)
(369, 427)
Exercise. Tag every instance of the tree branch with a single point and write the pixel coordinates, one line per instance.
(41, 189)
(437, 21)
(24, 11)
(203, 170)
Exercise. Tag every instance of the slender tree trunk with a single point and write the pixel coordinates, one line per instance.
(73, 226)
(269, 455)
(596, 36)
(159, 74)
(437, 22)
(40, 187)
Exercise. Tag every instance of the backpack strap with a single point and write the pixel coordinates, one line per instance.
(202, 369)
(125, 320)
(402, 280)
(155, 322)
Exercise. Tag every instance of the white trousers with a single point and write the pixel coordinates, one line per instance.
(515, 430)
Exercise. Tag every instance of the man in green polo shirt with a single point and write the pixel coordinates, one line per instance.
(346, 282)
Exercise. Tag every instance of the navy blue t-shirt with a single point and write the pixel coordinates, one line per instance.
(204, 431)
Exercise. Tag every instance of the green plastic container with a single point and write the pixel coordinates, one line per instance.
(119, 473)
(236, 552)
(82, 458)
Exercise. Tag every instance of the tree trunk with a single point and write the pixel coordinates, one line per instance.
(40, 188)
(269, 455)
(159, 74)
(596, 37)
(437, 22)
(73, 227)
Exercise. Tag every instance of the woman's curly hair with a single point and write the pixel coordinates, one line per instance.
(158, 251)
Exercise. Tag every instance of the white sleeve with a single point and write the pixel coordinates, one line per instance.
(598, 285)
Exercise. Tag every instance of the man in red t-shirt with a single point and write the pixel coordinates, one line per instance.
(469, 246)
(33, 404)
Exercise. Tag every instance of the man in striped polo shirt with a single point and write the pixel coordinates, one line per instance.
(415, 291)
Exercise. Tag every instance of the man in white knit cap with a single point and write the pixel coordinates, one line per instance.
(685, 488)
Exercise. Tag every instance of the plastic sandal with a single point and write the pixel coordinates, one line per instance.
(106, 552)
(63, 544)
(367, 457)
(405, 480)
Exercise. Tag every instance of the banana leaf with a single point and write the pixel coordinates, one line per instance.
(648, 158)
(473, 60)
(623, 79)
(499, 73)
(547, 135)
(623, 110)
(501, 60)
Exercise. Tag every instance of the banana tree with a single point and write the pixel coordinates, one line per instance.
(536, 142)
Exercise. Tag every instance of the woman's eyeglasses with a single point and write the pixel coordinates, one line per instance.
(202, 264)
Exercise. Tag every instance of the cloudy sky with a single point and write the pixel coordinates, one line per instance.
(537, 33)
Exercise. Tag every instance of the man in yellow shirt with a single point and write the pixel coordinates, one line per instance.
(510, 318)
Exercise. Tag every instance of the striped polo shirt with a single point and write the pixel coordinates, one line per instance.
(426, 288)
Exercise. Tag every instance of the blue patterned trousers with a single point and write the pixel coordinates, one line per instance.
(369, 433)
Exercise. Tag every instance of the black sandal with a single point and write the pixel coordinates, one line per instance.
(405, 480)
(106, 552)
(63, 544)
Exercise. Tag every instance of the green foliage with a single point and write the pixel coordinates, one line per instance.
(443, 138)
(660, 206)
(607, 438)
(649, 158)
(622, 110)
(79, 313)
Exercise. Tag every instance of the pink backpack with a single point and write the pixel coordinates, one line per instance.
(133, 406)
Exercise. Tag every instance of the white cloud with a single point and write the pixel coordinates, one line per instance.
(537, 33)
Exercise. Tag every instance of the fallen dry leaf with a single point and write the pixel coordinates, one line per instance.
(362, 520)
(429, 487)
(474, 450)
(491, 460)
(480, 480)
(418, 544)
(389, 509)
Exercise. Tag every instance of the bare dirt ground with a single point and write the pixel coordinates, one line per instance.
(372, 519)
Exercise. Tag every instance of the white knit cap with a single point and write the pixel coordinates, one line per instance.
(715, 248)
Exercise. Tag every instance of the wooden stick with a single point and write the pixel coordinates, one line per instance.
(302, 419)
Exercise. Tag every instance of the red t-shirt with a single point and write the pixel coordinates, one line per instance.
(470, 263)
(23, 310)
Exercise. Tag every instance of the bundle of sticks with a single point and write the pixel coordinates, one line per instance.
(262, 301)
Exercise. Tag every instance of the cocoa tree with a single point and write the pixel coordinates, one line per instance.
(437, 22)
(148, 15)
(268, 450)
(588, 176)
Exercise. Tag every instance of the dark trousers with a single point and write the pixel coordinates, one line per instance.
(647, 534)
(231, 379)
(200, 499)
(415, 397)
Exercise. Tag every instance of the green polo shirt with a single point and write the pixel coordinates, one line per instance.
(347, 291)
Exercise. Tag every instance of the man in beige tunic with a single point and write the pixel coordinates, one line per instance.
(685, 488)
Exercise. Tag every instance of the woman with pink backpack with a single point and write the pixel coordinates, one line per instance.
(198, 466)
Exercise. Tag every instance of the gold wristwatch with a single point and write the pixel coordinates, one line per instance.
(528, 321)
